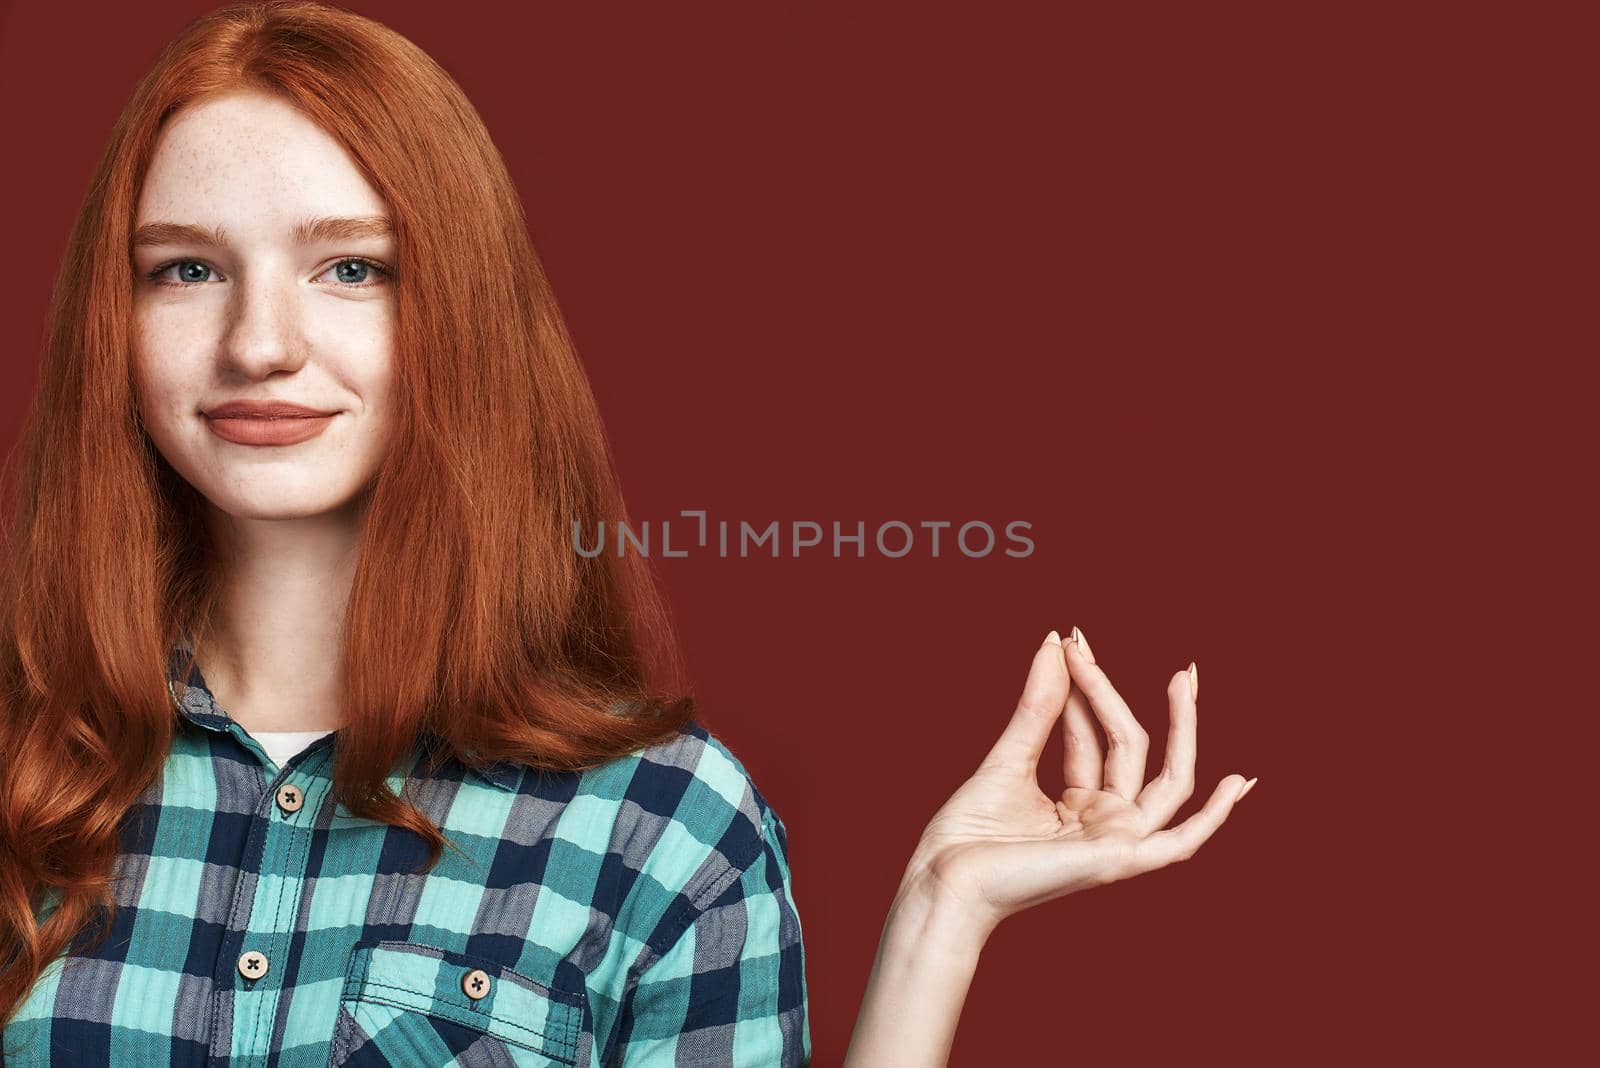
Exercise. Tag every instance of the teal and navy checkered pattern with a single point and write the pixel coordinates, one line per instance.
(636, 913)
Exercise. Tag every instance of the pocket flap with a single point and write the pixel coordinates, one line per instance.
(427, 979)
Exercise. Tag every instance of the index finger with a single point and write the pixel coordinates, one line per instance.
(1127, 744)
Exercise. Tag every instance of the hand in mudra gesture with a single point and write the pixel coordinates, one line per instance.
(1000, 845)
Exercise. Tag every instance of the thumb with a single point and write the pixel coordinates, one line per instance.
(1044, 696)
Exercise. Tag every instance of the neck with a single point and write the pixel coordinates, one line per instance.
(271, 657)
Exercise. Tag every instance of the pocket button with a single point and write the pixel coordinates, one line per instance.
(475, 983)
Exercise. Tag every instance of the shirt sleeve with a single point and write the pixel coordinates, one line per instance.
(731, 989)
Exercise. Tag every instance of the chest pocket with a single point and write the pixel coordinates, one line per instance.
(405, 1005)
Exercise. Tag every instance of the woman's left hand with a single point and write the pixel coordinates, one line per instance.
(1000, 845)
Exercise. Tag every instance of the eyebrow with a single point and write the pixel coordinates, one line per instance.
(322, 229)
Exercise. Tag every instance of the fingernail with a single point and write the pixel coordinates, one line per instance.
(1194, 684)
(1083, 644)
(1052, 637)
(1246, 789)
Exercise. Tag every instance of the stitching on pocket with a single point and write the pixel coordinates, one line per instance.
(435, 1004)
(362, 986)
(340, 1051)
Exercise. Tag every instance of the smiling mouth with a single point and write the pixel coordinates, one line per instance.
(269, 430)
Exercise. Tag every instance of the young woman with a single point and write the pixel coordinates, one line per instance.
(308, 418)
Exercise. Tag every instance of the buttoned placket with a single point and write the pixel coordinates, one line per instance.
(264, 913)
(252, 968)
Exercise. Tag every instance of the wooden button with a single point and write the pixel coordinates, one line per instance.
(252, 965)
(290, 797)
(475, 983)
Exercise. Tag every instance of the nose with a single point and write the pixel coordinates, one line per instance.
(264, 332)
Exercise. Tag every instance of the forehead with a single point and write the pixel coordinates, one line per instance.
(250, 160)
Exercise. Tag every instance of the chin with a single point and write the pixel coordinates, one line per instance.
(295, 501)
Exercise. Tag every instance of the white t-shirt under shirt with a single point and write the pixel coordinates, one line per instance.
(281, 745)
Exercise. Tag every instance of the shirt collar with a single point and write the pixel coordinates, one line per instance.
(195, 703)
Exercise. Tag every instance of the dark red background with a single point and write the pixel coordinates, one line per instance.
(1253, 311)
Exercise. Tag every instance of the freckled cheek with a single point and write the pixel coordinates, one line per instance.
(166, 369)
(367, 352)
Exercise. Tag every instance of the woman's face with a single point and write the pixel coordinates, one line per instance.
(253, 284)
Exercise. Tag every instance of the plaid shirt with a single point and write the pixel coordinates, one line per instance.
(639, 913)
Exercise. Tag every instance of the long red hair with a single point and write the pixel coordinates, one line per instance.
(472, 617)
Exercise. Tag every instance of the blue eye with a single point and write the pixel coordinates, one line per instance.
(352, 271)
(358, 273)
(189, 272)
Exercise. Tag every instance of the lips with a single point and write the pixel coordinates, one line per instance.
(267, 422)
(264, 409)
